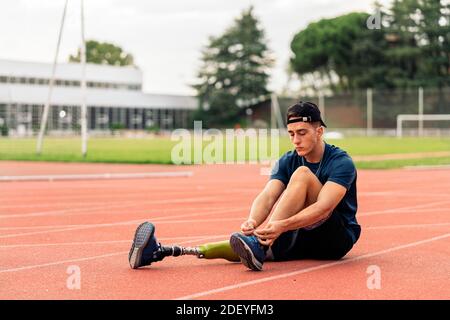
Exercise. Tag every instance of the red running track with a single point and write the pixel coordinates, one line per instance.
(46, 227)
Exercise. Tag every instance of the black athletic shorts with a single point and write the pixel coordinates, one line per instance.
(329, 241)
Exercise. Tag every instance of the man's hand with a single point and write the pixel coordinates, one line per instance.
(270, 232)
(262, 205)
(248, 227)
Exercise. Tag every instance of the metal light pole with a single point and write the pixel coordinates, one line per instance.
(369, 112)
(420, 111)
(84, 136)
(50, 86)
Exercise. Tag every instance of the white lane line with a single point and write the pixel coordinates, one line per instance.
(401, 226)
(311, 269)
(370, 213)
(403, 209)
(432, 210)
(144, 192)
(135, 197)
(424, 225)
(128, 222)
(199, 212)
(60, 195)
(395, 194)
(36, 232)
(213, 196)
(388, 211)
(428, 167)
(104, 207)
(143, 210)
(106, 225)
(207, 211)
(91, 210)
(88, 258)
(102, 196)
(58, 244)
(96, 176)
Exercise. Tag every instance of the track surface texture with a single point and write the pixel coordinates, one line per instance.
(70, 239)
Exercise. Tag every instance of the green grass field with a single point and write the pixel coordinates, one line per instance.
(158, 150)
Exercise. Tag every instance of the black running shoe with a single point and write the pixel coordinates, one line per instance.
(145, 249)
(249, 250)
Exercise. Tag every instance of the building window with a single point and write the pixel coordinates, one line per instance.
(70, 83)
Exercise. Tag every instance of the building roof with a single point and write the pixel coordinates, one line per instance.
(71, 71)
(36, 94)
(95, 97)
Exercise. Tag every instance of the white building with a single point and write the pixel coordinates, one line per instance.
(114, 98)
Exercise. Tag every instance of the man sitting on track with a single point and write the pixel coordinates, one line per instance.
(315, 217)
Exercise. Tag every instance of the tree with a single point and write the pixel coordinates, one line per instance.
(434, 37)
(403, 50)
(419, 38)
(434, 30)
(340, 46)
(234, 72)
(411, 49)
(104, 53)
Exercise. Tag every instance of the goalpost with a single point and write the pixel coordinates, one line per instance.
(418, 117)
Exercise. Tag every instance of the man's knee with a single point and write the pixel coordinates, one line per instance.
(302, 173)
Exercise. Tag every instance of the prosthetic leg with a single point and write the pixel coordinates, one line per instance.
(213, 250)
(146, 249)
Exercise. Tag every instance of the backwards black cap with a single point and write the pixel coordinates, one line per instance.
(304, 112)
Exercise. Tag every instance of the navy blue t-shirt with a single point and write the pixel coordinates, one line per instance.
(336, 166)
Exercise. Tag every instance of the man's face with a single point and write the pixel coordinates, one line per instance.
(304, 136)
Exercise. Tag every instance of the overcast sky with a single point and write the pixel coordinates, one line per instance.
(165, 37)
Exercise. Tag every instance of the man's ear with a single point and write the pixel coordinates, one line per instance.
(320, 131)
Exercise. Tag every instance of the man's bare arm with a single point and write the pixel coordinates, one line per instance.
(263, 204)
(329, 197)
